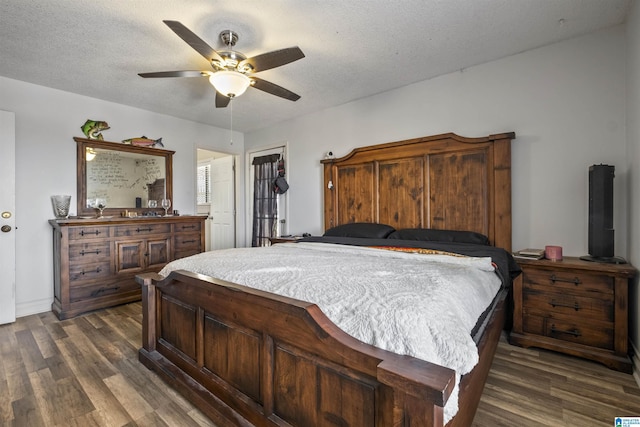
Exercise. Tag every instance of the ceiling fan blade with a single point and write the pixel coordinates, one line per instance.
(221, 100)
(274, 89)
(183, 73)
(194, 41)
(272, 59)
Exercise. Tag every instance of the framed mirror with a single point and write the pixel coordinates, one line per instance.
(124, 177)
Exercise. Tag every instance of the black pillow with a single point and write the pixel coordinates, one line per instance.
(361, 229)
(432, 235)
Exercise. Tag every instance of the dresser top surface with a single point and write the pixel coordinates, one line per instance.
(123, 220)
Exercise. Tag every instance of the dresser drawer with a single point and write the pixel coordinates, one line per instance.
(187, 227)
(88, 252)
(185, 253)
(88, 232)
(186, 245)
(598, 336)
(89, 271)
(96, 290)
(141, 229)
(543, 302)
(568, 280)
(187, 242)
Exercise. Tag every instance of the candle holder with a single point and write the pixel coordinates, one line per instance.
(60, 206)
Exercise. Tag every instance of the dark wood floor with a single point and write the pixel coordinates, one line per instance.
(84, 372)
(531, 387)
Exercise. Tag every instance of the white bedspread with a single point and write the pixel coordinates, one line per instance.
(419, 305)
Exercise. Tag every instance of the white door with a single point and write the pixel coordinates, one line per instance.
(7, 217)
(223, 224)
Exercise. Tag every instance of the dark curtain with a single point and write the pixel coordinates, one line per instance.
(265, 200)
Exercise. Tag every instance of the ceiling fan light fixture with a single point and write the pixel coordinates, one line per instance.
(231, 69)
(230, 83)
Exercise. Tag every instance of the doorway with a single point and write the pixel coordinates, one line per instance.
(216, 197)
(281, 226)
(7, 217)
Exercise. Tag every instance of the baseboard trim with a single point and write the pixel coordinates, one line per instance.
(33, 307)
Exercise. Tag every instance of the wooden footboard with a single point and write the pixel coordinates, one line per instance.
(247, 357)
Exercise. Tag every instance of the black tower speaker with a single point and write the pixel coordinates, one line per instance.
(601, 232)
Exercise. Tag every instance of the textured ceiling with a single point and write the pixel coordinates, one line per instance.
(353, 48)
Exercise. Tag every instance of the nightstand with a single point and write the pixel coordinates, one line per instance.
(291, 239)
(575, 307)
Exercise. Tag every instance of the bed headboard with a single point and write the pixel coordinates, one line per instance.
(442, 181)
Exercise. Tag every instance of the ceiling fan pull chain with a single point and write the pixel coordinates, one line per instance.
(231, 111)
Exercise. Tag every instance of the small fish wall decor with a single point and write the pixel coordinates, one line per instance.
(92, 129)
(143, 141)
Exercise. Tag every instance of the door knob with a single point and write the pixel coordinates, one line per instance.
(5, 228)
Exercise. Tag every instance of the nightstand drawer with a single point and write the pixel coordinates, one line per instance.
(575, 332)
(541, 302)
(574, 281)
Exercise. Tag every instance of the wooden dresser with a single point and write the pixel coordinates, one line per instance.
(576, 307)
(96, 260)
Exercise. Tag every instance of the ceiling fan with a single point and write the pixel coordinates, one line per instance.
(233, 71)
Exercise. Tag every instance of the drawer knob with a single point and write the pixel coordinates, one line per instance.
(96, 232)
(553, 303)
(188, 226)
(97, 270)
(189, 241)
(139, 230)
(576, 281)
(574, 332)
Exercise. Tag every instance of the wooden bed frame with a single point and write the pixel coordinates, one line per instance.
(247, 357)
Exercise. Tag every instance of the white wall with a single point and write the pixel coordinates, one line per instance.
(633, 160)
(566, 103)
(46, 122)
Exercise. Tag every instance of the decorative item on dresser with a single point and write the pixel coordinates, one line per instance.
(574, 307)
(96, 260)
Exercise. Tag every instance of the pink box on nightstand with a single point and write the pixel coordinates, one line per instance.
(553, 253)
